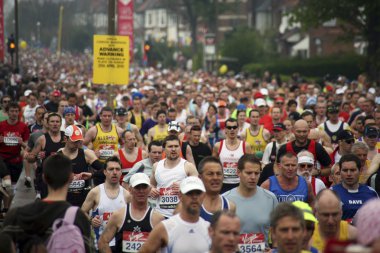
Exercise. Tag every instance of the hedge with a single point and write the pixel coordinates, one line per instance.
(348, 65)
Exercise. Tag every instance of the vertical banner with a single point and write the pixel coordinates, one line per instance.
(125, 22)
(2, 44)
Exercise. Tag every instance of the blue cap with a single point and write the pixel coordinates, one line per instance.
(241, 107)
(68, 109)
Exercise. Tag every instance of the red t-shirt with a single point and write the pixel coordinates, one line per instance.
(10, 148)
(266, 121)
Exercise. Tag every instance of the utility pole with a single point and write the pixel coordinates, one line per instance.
(111, 31)
(16, 34)
(60, 21)
(111, 17)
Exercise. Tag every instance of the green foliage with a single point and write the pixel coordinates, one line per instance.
(247, 46)
(348, 65)
(356, 17)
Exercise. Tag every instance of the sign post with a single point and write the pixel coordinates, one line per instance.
(209, 51)
(111, 59)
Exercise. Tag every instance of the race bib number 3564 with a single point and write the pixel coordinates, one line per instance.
(252, 243)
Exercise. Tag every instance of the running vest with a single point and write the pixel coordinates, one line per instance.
(105, 209)
(311, 148)
(299, 193)
(207, 216)
(29, 114)
(78, 189)
(333, 135)
(257, 142)
(106, 143)
(126, 165)
(229, 160)
(320, 244)
(133, 233)
(138, 121)
(51, 147)
(167, 201)
(185, 236)
(160, 135)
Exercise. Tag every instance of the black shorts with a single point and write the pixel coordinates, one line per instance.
(14, 170)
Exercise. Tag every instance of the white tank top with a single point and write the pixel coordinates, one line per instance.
(229, 160)
(29, 114)
(186, 237)
(167, 201)
(107, 206)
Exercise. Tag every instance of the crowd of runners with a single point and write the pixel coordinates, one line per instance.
(184, 161)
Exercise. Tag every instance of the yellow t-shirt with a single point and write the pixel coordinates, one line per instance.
(160, 135)
(320, 243)
(106, 143)
(257, 142)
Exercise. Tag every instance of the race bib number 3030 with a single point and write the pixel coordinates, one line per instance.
(252, 243)
(132, 242)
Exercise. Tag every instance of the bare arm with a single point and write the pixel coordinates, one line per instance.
(110, 230)
(140, 141)
(157, 239)
(40, 143)
(232, 206)
(266, 184)
(215, 150)
(310, 194)
(90, 136)
(190, 169)
(150, 135)
(374, 165)
(189, 155)
(90, 201)
(144, 154)
(248, 149)
(156, 218)
(352, 232)
(266, 135)
(326, 171)
(90, 156)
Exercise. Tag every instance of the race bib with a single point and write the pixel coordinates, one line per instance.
(105, 153)
(168, 200)
(132, 241)
(76, 185)
(10, 140)
(230, 170)
(251, 243)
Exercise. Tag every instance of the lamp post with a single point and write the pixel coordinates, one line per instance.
(38, 24)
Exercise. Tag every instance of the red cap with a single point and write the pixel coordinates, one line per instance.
(222, 103)
(56, 93)
(74, 133)
(258, 95)
(280, 99)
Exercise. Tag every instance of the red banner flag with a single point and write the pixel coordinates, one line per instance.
(2, 44)
(125, 22)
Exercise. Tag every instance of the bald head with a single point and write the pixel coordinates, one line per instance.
(301, 124)
(327, 198)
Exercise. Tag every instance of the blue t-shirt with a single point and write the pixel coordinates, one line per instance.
(353, 200)
(299, 193)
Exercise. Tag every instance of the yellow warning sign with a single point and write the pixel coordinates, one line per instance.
(111, 59)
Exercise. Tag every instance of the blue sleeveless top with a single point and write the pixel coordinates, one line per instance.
(299, 193)
(207, 215)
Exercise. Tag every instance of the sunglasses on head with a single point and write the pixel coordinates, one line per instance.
(231, 127)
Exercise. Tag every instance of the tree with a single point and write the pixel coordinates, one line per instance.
(357, 17)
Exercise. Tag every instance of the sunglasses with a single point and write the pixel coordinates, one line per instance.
(350, 141)
(6, 101)
(306, 165)
(231, 127)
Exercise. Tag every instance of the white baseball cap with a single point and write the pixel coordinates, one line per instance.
(192, 183)
(139, 178)
(305, 159)
(260, 102)
(74, 133)
(174, 126)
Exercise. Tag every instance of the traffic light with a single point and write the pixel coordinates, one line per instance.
(11, 45)
(147, 47)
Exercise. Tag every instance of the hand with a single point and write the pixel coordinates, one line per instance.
(41, 155)
(175, 187)
(20, 140)
(96, 222)
(154, 193)
(97, 153)
(85, 175)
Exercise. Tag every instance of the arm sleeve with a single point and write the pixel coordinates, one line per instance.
(97, 165)
(132, 171)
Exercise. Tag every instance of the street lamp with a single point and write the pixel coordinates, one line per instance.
(38, 24)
